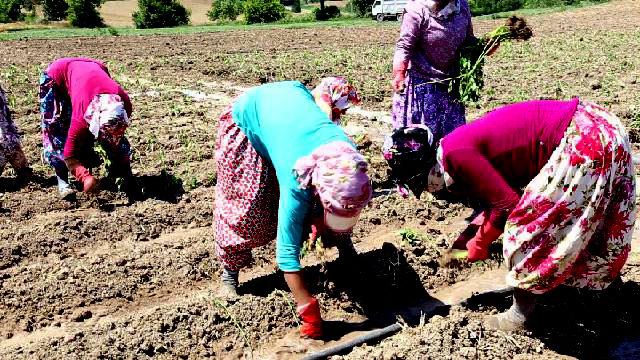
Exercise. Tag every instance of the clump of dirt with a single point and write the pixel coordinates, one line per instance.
(459, 335)
(199, 327)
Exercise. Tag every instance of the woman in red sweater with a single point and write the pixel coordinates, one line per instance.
(79, 104)
(558, 182)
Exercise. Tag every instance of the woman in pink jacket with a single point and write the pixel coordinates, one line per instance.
(79, 104)
(558, 183)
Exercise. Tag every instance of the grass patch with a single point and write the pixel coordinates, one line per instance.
(55, 33)
(538, 11)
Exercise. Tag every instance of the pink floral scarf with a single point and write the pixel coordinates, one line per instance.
(339, 175)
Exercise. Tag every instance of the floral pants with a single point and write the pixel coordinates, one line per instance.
(427, 104)
(574, 223)
(246, 205)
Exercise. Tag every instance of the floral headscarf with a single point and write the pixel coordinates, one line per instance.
(409, 151)
(339, 175)
(337, 93)
(107, 118)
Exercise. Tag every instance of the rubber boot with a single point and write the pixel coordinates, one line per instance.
(516, 316)
(228, 289)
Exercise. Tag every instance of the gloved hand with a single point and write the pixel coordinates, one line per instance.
(311, 319)
(399, 76)
(478, 247)
(89, 183)
(469, 233)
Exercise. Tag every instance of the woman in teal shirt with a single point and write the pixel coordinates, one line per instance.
(279, 157)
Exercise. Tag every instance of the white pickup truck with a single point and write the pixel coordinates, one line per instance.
(383, 9)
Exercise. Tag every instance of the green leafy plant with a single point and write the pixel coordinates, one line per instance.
(84, 13)
(160, 14)
(470, 81)
(410, 236)
(312, 246)
(263, 11)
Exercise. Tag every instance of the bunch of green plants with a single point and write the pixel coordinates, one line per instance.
(470, 81)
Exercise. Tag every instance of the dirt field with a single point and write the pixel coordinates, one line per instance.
(98, 278)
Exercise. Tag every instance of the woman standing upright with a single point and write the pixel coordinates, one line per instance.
(427, 52)
(79, 104)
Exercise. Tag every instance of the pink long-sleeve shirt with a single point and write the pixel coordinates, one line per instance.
(430, 42)
(82, 79)
(494, 157)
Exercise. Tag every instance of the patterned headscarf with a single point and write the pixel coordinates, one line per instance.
(339, 175)
(107, 118)
(337, 93)
(410, 153)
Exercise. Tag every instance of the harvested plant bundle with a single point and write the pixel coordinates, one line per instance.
(470, 81)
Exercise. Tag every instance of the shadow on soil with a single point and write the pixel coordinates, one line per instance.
(162, 186)
(585, 324)
(12, 184)
(378, 284)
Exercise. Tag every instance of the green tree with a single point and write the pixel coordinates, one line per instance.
(482, 7)
(263, 11)
(160, 13)
(84, 13)
(362, 7)
(54, 10)
(296, 6)
(11, 10)
(225, 9)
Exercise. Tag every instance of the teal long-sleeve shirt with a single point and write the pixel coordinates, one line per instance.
(283, 123)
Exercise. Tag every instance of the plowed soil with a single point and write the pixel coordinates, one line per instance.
(101, 278)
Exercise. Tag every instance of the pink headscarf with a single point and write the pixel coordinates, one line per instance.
(107, 118)
(337, 93)
(339, 174)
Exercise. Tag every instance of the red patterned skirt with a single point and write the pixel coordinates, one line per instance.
(246, 205)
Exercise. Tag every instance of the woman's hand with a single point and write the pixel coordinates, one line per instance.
(493, 48)
(308, 308)
(398, 81)
(311, 319)
(89, 183)
(478, 247)
(399, 76)
(468, 233)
